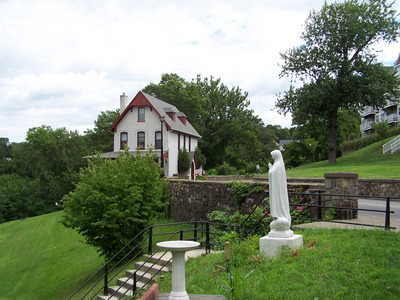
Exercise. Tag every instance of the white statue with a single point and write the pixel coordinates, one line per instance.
(279, 201)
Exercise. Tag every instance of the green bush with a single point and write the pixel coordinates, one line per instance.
(114, 200)
(183, 160)
(257, 223)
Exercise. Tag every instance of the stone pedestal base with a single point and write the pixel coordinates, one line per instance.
(270, 246)
(178, 296)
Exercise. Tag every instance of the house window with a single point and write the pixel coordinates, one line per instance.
(179, 141)
(141, 114)
(190, 144)
(158, 139)
(123, 140)
(141, 140)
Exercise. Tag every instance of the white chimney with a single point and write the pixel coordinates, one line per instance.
(123, 99)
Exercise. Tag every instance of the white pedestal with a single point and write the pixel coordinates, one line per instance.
(270, 246)
(178, 249)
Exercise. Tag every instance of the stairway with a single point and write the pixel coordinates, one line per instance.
(392, 146)
(145, 270)
(144, 273)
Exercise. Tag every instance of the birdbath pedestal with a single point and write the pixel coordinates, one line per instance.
(178, 249)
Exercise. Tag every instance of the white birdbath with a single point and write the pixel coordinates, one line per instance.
(178, 249)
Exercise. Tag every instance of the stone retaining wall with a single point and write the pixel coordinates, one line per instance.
(379, 187)
(193, 200)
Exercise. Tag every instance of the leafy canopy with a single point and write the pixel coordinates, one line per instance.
(114, 200)
(337, 64)
(100, 138)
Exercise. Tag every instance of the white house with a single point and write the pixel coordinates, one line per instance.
(390, 113)
(147, 122)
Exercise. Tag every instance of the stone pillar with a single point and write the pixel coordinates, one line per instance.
(342, 183)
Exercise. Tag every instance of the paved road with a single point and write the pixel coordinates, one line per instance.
(378, 205)
(365, 217)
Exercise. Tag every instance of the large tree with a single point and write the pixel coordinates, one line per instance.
(100, 138)
(52, 158)
(337, 64)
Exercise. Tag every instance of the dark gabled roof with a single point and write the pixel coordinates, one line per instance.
(161, 108)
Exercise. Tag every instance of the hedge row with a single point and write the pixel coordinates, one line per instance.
(359, 143)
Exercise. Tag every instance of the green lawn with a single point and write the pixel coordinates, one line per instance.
(41, 259)
(342, 264)
(368, 162)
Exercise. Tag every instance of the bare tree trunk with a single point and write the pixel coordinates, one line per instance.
(332, 136)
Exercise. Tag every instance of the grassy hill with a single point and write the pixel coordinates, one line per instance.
(41, 259)
(368, 162)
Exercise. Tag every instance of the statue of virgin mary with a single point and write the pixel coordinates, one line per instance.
(279, 200)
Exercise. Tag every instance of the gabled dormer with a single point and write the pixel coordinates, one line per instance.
(182, 118)
(170, 113)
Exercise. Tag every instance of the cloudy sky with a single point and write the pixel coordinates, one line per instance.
(62, 62)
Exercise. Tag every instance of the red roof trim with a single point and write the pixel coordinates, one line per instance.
(139, 100)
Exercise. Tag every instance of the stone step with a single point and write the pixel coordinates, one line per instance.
(120, 291)
(128, 283)
(146, 271)
(103, 297)
(151, 267)
(160, 258)
(140, 275)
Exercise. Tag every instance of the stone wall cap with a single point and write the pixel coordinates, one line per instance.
(341, 174)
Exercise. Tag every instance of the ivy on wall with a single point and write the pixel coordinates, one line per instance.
(242, 190)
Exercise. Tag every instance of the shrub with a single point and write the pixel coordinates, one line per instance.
(114, 200)
(254, 224)
(183, 161)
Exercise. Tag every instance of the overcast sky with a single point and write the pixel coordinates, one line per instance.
(62, 62)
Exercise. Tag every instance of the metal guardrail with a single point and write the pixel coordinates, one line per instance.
(321, 207)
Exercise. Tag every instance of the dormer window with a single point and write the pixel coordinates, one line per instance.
(171, 114)
(141, 111)
(183, 119)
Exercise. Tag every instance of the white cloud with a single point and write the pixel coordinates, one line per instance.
(62, 62)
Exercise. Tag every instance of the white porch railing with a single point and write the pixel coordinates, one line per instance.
(392, 146)
(396, 145)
